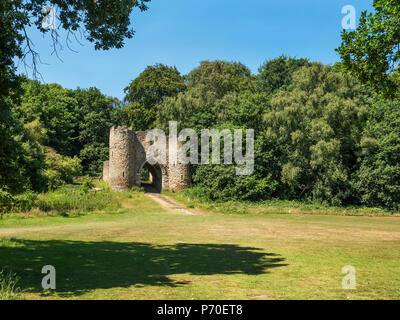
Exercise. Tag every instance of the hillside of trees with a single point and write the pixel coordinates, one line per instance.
(321, 136)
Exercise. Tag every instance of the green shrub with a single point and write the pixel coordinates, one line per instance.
(53, 179)
(60, 170)
(220, 182)
(87, 184)
(25, 201)
(67, 199)
(6, 202)
(70, 168)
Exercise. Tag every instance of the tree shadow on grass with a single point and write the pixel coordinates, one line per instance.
(83, 266)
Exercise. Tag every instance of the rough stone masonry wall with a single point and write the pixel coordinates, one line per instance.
(179, 176)
(141, 149)
(122, 156)
(127, 158)
(106, 168)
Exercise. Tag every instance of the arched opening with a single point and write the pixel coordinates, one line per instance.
(151, 178)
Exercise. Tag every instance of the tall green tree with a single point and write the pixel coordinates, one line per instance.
(10, 128)
(211, 89)
(32, 163)
(313, 133)
(371, 52)
(55, 107)
(155, 83)
(146, 91)
(277, 73)
(378, 180)
(96, 115)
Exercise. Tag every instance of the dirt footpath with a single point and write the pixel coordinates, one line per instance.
(168, 203)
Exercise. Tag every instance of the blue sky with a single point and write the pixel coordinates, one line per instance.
(182, 33)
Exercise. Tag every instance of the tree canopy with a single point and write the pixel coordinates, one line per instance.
(211, 88)
(277, 73)
(371, 52)
(149, 89)
(106, 24)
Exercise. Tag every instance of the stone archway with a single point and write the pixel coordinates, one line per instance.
(156, 174)
(128, 157)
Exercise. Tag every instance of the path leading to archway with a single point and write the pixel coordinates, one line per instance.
(168, 203)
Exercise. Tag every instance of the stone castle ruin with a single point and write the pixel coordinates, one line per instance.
(128, 158)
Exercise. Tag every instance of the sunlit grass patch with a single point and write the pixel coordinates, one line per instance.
(9, 289)
(151, 252)
(10, 243)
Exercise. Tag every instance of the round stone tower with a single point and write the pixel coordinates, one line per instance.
(122, 158)
(178, 176)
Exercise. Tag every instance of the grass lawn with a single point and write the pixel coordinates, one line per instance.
(144, 251)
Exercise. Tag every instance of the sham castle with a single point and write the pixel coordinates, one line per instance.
(128, 157)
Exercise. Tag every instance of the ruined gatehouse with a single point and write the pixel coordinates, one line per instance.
(128, 157)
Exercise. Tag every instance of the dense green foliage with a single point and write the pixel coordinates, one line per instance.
(314, 131)
(211, 88)
(320, 135)
(277, 73)
(146, 91)
(308, 134)
(76, 122)
(378, 180)
(22, 159)
(371, 53)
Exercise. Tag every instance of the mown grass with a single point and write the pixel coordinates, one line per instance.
(148, 252)
(193, 198)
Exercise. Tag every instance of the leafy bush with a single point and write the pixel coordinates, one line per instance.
(220, 182)
(53, 179)
(60, 169)
(25, 201)
(87, 184)
(73, 199)
(6, 202)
